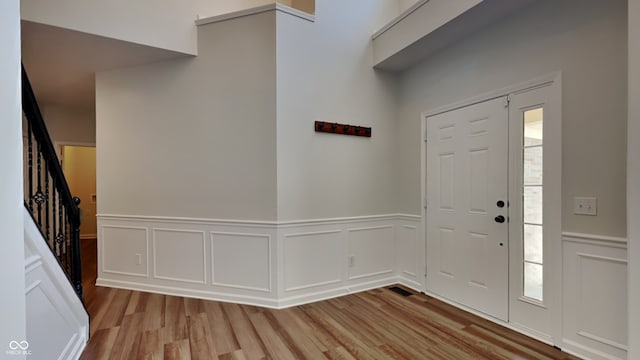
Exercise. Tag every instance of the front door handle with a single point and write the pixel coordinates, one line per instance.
(499, 219)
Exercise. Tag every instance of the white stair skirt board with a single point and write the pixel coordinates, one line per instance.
(57, 323)
(270, 264)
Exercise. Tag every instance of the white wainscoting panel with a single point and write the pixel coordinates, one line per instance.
(595, 296)
(222, 260)
(241, 261)
(371, 249)
(57, 323)
(408, 251)
(272, 264)
(171, 247)
(312, 259)
(120, 247)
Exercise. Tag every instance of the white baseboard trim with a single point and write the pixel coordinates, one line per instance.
(190, 293)
(337, 292)
(411, 284)
(253, 300)
(577, 349)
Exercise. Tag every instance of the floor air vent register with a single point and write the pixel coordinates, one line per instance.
(400, 291)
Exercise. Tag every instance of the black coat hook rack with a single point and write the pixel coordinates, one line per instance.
(343, 129)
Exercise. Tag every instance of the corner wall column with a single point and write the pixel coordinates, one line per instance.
(12, 301)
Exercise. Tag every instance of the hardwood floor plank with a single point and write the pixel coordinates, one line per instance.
(200, 342)
(100, 345)
(273, 343)
(133, 303)
(244, 331)
(101, 309)
(338, 353)
(175, 319)
(154, 312)
(345, 337)
(151, 345)
(224, 338)
(296, 334)
(177, 350)
(235, 355)
(129, 336)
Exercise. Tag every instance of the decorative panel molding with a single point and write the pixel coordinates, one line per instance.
(407, 250)
(170, 245)
(312, 259)
(120, 247)
(241, 261)
(595, 296)
(372, 249)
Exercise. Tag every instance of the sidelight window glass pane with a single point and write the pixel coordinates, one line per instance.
(533, 127)
(533, 243)
(533, 166)
(532, 201)
(532, 190)
(533, 281)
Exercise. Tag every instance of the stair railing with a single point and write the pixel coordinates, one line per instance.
(47, 194)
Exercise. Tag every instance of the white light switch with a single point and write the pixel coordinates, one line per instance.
(585, 206)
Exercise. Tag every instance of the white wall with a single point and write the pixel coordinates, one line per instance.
(71, 125)
(169, 25)
(193, 137)
(588, 44)
(325, 73)
(12, 301)
(633, 178)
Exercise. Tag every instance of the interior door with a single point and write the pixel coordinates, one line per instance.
(467, 225)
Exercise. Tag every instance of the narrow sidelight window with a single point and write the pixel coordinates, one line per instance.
(532, 204)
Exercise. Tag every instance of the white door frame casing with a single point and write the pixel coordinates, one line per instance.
(552, 205)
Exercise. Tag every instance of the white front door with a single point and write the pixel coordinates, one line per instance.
(467, 225)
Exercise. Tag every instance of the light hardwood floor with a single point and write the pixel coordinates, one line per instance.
(376, 324)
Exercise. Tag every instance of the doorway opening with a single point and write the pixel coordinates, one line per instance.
(79, 167)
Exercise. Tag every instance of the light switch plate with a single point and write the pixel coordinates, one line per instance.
(585, 206)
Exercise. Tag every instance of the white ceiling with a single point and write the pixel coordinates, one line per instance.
(61, 63)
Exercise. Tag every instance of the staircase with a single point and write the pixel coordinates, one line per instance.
(47, 194)
(57, 321)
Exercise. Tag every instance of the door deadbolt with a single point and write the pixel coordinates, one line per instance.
(500, 204)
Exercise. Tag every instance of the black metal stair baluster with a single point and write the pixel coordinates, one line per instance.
(77, 266)
(47, 202)
(60, 235)
(39, 196)
(30, 165)
(67, 241)
(54, 204)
